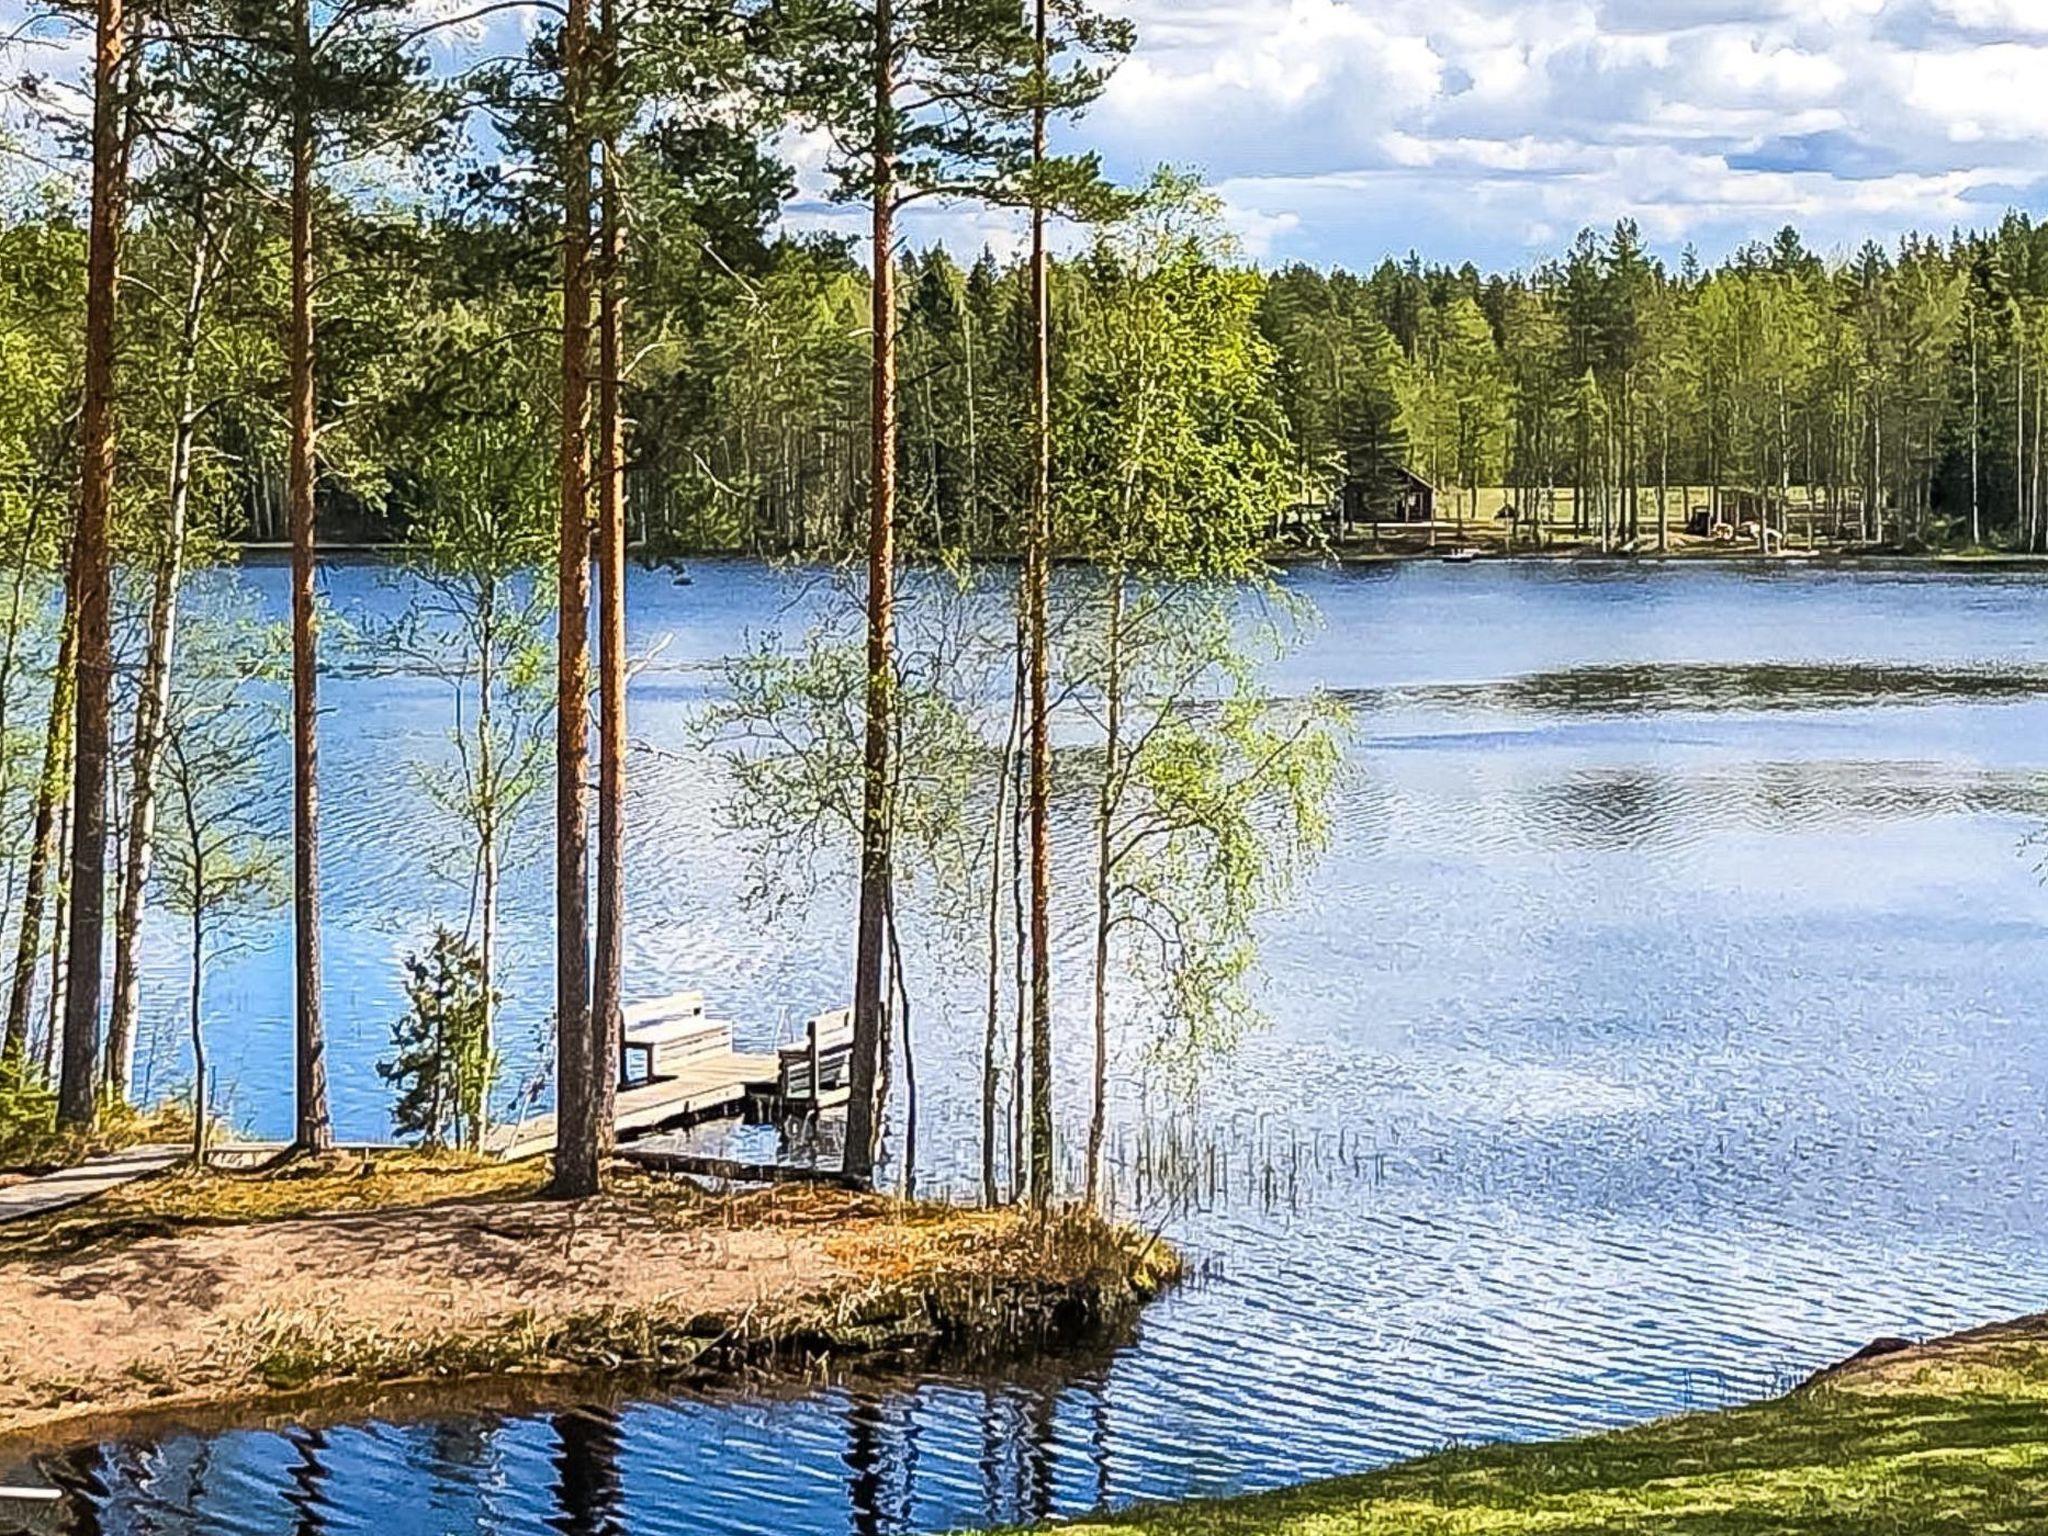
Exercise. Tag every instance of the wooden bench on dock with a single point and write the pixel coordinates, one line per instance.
(816, 1072)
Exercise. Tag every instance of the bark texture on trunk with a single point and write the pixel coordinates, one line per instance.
(578, 1136)
(991, 1072)
(608, 990)
(870, 971)
(1038, 580)
(53, 793)
(92, 582)
(313, 1131)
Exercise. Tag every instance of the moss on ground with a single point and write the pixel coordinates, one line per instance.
(1947, 1438)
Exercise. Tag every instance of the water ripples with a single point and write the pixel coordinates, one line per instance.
(1658, 1029)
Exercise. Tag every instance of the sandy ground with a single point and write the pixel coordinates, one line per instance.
(136, 1322)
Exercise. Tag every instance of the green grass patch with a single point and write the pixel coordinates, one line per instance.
(1952, 1438)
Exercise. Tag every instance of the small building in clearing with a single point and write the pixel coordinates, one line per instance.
(1392, 493)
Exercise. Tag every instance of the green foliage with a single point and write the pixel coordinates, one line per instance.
(1171, 452)
(442, 1065)
(28, 1114)
(1211, 799)
(788, 734)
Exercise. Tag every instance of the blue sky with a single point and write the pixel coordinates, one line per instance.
(1491, 130)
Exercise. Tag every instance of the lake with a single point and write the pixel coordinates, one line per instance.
(1660, 1026)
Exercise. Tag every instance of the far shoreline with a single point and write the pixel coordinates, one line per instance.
(274, 556)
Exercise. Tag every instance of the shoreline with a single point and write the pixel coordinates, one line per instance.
(1287, 556)
(1941, 1435)
(153, 1306)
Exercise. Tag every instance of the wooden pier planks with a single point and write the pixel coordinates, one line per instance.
(709, 1084)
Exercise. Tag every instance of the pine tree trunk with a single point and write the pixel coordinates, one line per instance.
(870, 995)
(1041, 711)
(487, 852)
(578, 1168)
(314, 1131)
(91, 585)
(153, 704)
(1020, 931)
(608, 998)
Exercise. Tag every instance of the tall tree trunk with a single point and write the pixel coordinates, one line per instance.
(1020, 931)
(2019, 436)
(991, 1073)
(60, 941)
(900, 992)
(44, 849)
(92, 581)
(487, 843)
(870, 994)
(1664, 489)
(1976, 436)
(10, 652)
(197, 959)
(608, 997)
(314, 1132)
(1040, 581)
(578, 1136)
(1105, 814)
(153, 703)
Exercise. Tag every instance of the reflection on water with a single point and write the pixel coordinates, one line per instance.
(1661, 1026)
(1774, 686)
(871, 1459)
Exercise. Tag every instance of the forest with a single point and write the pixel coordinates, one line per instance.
(1898, 390)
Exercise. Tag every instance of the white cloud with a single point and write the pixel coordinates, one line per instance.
(1491, 130)
(1486, 129)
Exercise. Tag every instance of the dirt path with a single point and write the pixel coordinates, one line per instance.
(94, 1176)
(191, 1313)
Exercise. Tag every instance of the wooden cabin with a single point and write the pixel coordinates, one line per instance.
(1392, 494)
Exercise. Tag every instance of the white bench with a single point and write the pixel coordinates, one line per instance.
(821, 1063)
(669, 1035)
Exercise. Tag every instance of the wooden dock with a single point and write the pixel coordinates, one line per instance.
(676, 1066)
(714, 1085)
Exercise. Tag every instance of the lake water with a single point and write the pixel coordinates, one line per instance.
(1662, 1024)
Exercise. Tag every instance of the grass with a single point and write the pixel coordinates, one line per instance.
(340, 1184)
(32, 1142)
(1949, 1438)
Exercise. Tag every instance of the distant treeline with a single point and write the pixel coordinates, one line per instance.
(1904, 390)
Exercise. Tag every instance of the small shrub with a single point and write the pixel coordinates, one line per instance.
(442, 1064)
(28, 1115)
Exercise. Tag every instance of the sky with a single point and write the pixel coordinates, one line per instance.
(1491, 131)
(1341, 131)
